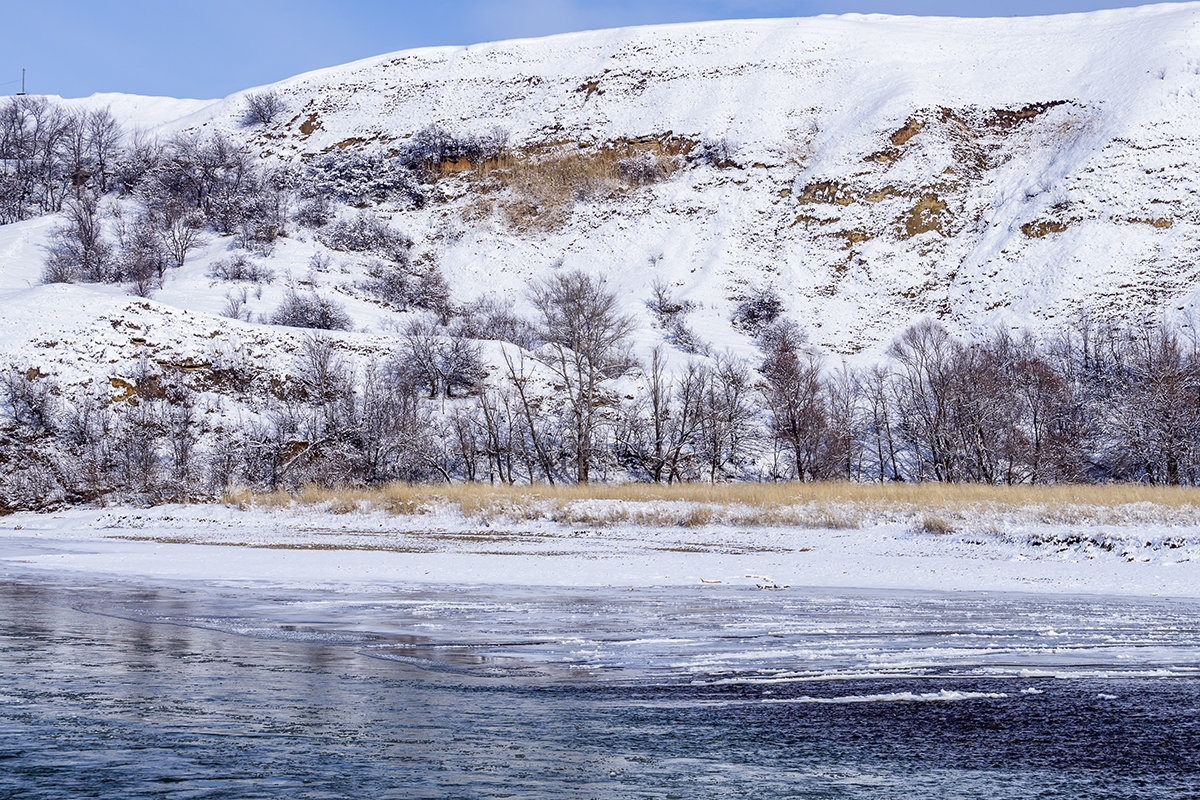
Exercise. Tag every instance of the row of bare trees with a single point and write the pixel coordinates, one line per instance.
(1096, 403)
(49, 154)
(188, 184)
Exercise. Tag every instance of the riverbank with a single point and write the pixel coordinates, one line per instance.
(1137, 548)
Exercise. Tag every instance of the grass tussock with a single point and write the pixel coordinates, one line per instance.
(932, 523)
(934, 508)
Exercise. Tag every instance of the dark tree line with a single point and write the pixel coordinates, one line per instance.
(1092, 404)
(1095, 403)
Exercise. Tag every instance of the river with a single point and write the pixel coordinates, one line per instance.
(117, 690)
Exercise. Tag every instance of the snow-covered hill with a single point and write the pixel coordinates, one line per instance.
(996, 170)
(871, 171)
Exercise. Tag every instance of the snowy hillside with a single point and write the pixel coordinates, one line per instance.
(984, 171)
(868, 172)
(879, 168)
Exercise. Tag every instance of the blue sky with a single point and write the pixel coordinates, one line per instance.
(210, 48)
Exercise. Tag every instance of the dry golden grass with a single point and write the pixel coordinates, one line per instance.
(931, 506)
(540, 184)
(932, 523)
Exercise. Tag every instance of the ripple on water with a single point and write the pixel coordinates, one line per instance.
(475, 691)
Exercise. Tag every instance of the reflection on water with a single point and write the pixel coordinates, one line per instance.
(110, 691)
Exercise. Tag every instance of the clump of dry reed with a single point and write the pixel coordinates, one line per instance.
(932, 507)
(933, 523)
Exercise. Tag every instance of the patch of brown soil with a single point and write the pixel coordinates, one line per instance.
(184, 365)
(590, 87)
(852, 237)
(1159, 222)
(452, 165)
(805, 219)
(344, 143)
(924, 217)
(887, 191)
(149, 389)
(910, 129)
(829, 192)
(1043, 227)
(126, 389)
(310, 125)
(1007, 118)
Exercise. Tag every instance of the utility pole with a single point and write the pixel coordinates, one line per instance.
(22, 82)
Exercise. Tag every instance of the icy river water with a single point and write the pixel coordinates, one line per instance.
(118, 691)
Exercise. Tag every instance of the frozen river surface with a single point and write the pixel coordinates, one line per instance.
(114, 690)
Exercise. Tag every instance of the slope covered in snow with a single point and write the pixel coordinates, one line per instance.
(134, 111)
(870, 171)
(879, 168)
(997, 170)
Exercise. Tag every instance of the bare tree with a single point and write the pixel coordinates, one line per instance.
(845, 437)
(78, 248)
(179, 420)
(442, 359)
(877, 387)
(662, 435)
(33, 175)
(730, 430)
(104, 144)
(796, 398)
(585, 336)
(141, 257)
(179, 228)
(923, 391)
(263, 107)
(75, 152)
(328, 382)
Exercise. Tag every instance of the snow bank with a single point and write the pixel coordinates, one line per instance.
(309, 548)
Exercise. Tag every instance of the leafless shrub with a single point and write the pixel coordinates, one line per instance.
(28, 399)
(682, 336)
(141, 257)
(241, 268)
(366, 233)
(642, 169)
(434, 146)
(492, 319)
(235, 306)
(719, 153)
(440, 359)
(58, 270)
(758, 310)
(315, 212)
(79, 249)
(357, 178)
(310, 310)
(406, 286)
(664, 305)
(671, 315)
(262, 108)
